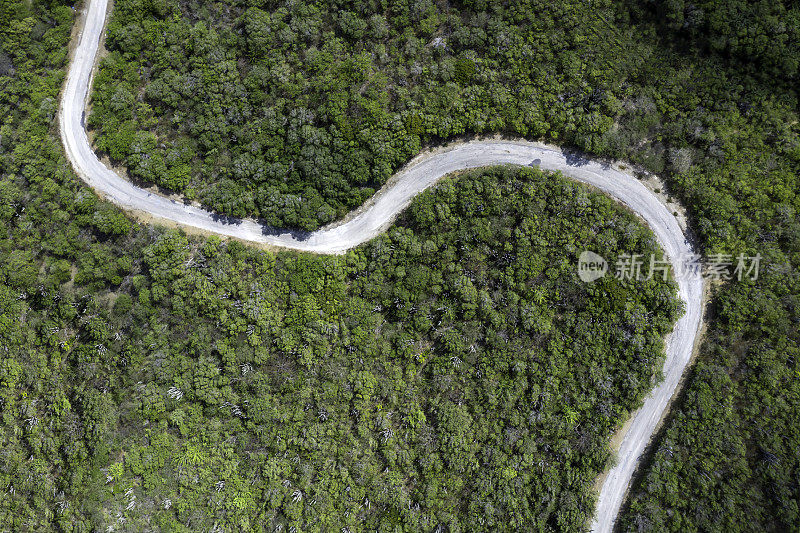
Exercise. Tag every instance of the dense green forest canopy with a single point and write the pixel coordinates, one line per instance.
(762, 36)
(92, 304)
(296, 112)
(453, 372)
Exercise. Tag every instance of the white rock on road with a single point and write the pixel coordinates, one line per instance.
(379, 212)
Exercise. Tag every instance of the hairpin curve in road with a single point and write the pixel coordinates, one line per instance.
(378, 213)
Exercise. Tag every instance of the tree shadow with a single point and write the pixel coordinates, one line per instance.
(225, 219)
(266, 229)
(575, 158)
(296, 234)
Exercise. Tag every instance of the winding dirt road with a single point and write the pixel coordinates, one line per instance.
(379, 212)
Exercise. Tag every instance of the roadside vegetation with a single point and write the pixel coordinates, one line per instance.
(727, 129)
(297, 112)
(453, 372)
(150, 380)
